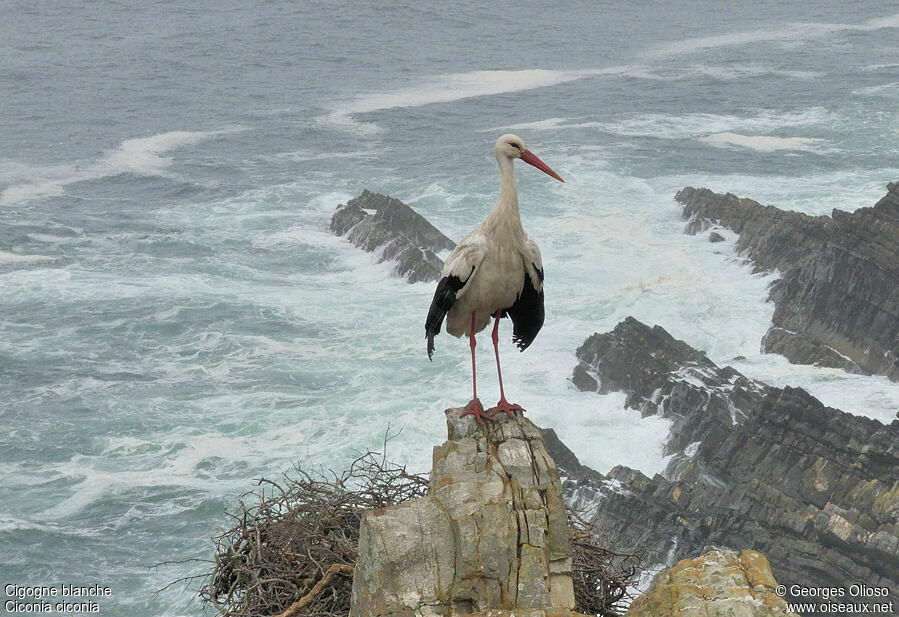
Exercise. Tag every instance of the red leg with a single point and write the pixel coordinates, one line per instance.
(503, 405)
(474, 407)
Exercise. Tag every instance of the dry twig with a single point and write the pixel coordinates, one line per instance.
(603, 579)
(297, 607)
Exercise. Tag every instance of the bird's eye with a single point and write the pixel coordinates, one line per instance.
(514, 145)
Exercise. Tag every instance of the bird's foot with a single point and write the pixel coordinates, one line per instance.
(504, 406)
(474, 408)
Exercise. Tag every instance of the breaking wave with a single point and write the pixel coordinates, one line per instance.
(142, 156)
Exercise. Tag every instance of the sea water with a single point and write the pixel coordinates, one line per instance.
(176, 319)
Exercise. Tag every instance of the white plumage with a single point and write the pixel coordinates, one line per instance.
(495, 271)
(498, 260)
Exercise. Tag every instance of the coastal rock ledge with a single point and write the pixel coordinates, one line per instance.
(752, 466)
(490, 537)
(716, 584)
(375, 222)
(837, 302)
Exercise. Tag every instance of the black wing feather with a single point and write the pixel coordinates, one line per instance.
(527, 313)
(444, 298)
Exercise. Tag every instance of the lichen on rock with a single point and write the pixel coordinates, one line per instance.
(716, 584)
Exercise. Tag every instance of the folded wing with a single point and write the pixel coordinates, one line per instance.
(459, 270)
(527, 313)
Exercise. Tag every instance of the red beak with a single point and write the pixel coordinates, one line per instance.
(531, 159)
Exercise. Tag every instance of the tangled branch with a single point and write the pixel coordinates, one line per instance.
(603, 579)
(292, 545)
(291, 550)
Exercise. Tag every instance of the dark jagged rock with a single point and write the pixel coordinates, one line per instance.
(567, 461)
(716, 237)
(372, 221)
(801, 349)
(753, 466)
(838, 286)
(662, 376)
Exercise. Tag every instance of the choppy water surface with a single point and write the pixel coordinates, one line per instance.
(176, 319)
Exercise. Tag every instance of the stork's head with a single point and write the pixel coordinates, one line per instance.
(512, 147)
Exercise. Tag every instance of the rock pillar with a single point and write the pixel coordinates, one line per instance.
(491, 534)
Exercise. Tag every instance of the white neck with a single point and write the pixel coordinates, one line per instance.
(505, 212)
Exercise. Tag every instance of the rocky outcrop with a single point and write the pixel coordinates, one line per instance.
(838, 285)
(802, 349)
(812, 487)
(717, 584)
(377, 222)
(491, 535)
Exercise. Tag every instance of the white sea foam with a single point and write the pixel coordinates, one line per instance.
(745, 71)
(791, 32)
(880, 67)
(12, 172)
(698, 126)
(890, 90)
(300, 156)
(14, 525)
(669, 126)
(762, 143)
(550, 124)
(455, 87)
(73, 285)
(179, 461)
(714, 129)
(444, 89)
(50, 238)
(144, 156)
(815, 194)
(538, 125)
(18, 258)
(460, 86)
(436, 195)
(729, 72)
(864, 395)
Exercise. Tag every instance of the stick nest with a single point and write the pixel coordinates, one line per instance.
(292, 545)
(604, 580)
(286, 535)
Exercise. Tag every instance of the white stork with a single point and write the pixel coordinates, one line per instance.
(494, 272)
